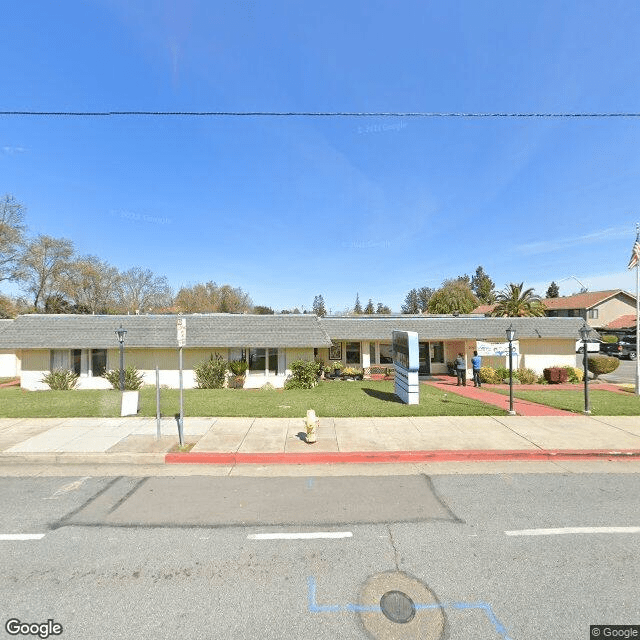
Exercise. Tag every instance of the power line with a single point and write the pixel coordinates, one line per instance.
(321, 114)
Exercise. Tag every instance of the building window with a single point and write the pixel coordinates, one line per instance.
(437, 352)
(263, 361)
(593, 314)
(353, 352)
(552, 314)
(59, 359)
(98, 362)
(372, 353)
(574, 313)
(385, 354)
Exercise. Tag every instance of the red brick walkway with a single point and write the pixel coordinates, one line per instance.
(484, 394)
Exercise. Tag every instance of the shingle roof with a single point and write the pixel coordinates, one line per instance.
(623, 322)
(214, 330)
(478, 328)
(583, 300)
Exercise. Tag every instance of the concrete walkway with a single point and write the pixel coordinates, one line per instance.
(282, 440)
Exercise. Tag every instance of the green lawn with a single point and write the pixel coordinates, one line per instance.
(338, 399)
(603, 403)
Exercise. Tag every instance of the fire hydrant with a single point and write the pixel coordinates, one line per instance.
(311, 423)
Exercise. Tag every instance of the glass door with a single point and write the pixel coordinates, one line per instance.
(424, 359)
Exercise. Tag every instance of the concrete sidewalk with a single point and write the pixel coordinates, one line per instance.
(282, 440)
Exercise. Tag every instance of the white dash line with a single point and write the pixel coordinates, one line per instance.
(21, 536)
(300, 536)
(570, 530)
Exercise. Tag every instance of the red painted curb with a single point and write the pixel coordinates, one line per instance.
(397, 456)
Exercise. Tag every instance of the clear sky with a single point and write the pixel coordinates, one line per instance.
(288, 208)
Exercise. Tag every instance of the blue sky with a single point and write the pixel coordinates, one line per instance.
(288, 208)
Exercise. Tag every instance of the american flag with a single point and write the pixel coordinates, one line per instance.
(635, 253)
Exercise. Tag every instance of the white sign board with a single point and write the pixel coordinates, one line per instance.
(182, 331)
(497, 348)
(130, 403)
(406, 363)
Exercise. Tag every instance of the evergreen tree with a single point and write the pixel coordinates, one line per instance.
(411, 302)
(424, 295)
(382, 308)
(553, 291)
(455, 296)
(369, 309)
(483, 287)
(318, 306)
(357, 309)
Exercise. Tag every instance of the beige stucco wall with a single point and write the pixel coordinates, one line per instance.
(611, 310)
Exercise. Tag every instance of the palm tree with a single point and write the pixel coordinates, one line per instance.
(513, 301)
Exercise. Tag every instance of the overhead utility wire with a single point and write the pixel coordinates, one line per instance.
(322, 114)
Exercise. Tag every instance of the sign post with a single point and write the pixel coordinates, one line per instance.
(182, 340)
(406, 362)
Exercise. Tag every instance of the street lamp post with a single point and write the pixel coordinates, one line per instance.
(584, 335)
(121, 333)
(511, 332)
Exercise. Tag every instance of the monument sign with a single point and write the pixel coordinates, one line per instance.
(406, 362)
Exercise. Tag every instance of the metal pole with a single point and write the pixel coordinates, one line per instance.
(587, 408)
(121, 366)
(157, 403)
(511, 411)
(180, 423)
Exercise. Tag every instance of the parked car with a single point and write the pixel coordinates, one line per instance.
(592, 346)
(625, 348)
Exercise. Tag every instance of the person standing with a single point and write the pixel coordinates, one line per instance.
(476, 363)
(461, 370)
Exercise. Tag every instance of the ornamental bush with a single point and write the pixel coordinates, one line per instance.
(602, 364)
(555, 375)
(526, 376)
(212, 373)
(238, 367)
(133, 379)
(488, 375)
(304, 375)
(574, 374)
(61, 380)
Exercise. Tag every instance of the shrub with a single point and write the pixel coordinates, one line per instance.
(555, 375)
(238, 367)
(574, 374)
(304, 373)
(61, 380)
(267, 386)
(488, 375)
(352, 372)
(526, 376)
(133, 379)
(502, 373)
(337, 364)
(602, 364)
(211, 373)
(609, 338)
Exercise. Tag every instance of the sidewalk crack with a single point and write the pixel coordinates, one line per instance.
(395, 550)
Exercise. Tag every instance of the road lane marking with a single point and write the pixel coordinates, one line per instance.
(300, 536)
(569, 530)
(21, 536)
(314, 607)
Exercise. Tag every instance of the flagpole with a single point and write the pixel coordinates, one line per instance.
(637, 320)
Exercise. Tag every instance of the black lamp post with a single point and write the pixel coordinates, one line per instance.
(511, 332)
(584, 335)
(121, 333)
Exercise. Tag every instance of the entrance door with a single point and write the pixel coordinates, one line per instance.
(424, 359)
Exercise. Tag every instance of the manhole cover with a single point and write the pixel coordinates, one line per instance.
(398, 607)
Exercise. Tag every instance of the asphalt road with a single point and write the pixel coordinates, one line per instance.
(187, 557)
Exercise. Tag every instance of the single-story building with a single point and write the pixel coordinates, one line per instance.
(88, 345)
(9, 363)
(365, 341)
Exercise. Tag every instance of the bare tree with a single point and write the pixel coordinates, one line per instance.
(211, 298)
(140, 290)
(42, 265)
(92, 285)
(12, 231)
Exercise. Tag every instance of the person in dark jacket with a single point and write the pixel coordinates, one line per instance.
(476, 363)
(461, 370)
